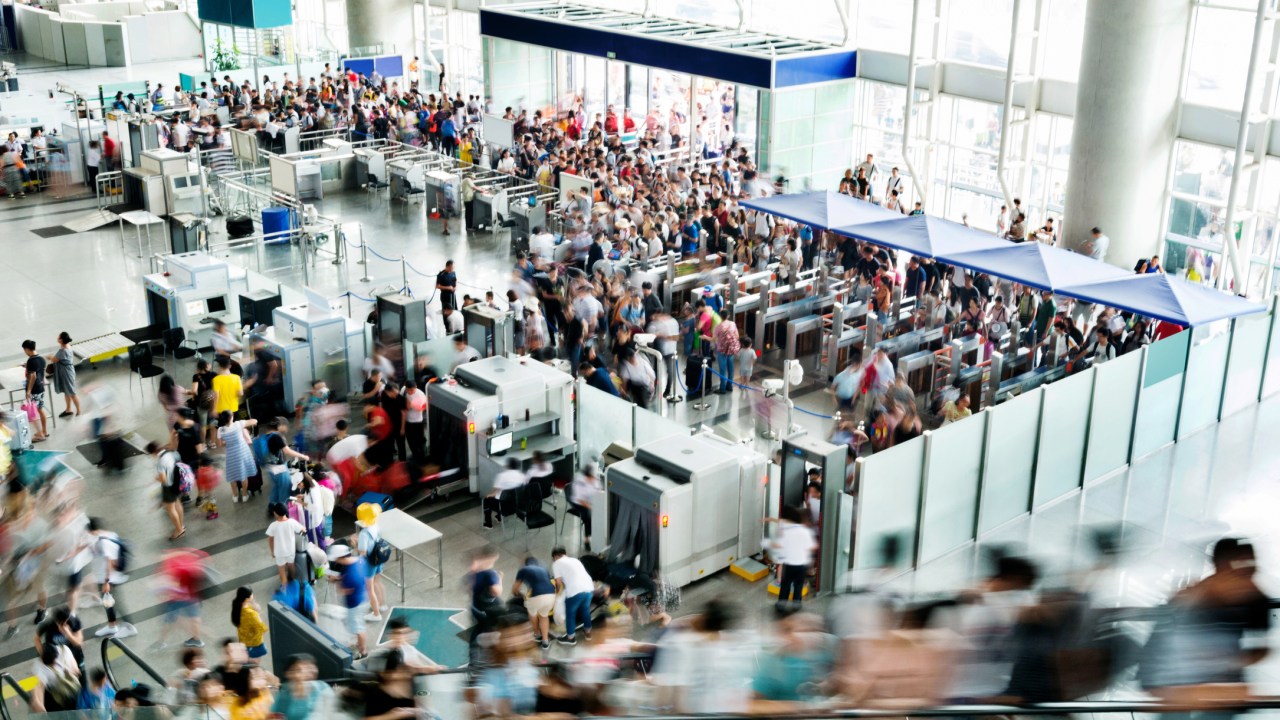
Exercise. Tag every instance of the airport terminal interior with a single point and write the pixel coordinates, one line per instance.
(467, 358)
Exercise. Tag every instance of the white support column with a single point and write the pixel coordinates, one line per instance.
(1244, 172)
(1125, 122)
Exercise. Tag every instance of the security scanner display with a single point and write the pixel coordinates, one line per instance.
(489, 330)
(685, 507)
(194, 290)
(499, 408)
(832, 507)
(256, 307)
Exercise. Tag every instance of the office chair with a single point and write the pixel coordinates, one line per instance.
(373, 185)
(176, 345)
(140, 364)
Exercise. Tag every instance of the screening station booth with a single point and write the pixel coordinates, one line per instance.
(336, 345)
(536, 52)
(193, 291)
(499, 408)
(686, 507)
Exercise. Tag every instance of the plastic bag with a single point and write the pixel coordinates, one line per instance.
(32, 411)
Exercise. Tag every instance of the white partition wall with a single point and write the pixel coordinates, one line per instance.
(1064, 428)
(888, 502)
(1157, 418)
(1115, 400)
(1248, 354)
(951, 487)
(1013, 439)
(1202, 386)
(978, 479)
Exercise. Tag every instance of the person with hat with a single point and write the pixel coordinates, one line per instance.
(351, 579)
(366, 539)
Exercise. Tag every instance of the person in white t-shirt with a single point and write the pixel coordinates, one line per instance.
(572, 579)
(106, 548)
(793, 550)
(415, 421)
(282, 540)
(509, 479)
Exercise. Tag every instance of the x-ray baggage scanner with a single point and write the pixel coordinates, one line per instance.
(194, 290)
(295, 361)
(500, 408)
(685, 507)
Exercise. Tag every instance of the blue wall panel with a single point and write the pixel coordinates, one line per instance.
(652, 52)
(806, 69)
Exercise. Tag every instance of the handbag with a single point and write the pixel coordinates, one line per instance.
(31, 409)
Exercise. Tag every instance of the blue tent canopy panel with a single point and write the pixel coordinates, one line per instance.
(922, 235)
(821, 209)
(1040, 266)
(1171, 299)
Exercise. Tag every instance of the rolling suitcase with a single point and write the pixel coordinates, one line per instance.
(693, 375)
(20, 427)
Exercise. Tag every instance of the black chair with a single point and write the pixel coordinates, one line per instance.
(140, 363)
(373, 184)
(508, 505)
(177, 346)
(535, 518)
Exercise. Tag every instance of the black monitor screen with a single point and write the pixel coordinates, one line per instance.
(218, 304)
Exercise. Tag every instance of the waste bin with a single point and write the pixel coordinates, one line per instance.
(276, 223)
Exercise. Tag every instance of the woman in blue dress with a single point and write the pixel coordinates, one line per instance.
(234, 435)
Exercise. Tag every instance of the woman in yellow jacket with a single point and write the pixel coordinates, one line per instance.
(248, 622)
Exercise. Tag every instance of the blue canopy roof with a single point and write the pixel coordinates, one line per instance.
(1165, 298)
(1040, 266)
(922, 235)
(821, 208)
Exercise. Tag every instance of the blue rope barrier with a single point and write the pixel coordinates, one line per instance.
(381, 257)
(411, 267)
(358, 297)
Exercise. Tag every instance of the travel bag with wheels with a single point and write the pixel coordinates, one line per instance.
(693, 375)
(239, 226)
(19, 430)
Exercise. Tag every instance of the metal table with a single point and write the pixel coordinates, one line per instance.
(403, 531)
(138, 219)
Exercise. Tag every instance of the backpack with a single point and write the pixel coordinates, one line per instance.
(123, 554)
(379, 553)
(183, 479)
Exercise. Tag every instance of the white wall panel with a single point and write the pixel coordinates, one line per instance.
(951, 486)
(1010, 462)
(1064, 425)
(1115, 403)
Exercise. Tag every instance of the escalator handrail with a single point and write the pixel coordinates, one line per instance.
(7, 679)
(146, 668)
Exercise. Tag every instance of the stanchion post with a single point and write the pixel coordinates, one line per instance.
(404, 272)
(702, 403)
(364, 258)
(348, 296)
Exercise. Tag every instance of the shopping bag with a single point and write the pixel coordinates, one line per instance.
(32, 411)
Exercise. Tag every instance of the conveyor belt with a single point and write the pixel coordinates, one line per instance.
(102, 347)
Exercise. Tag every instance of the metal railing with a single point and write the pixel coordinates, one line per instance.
(109, 188)
(8, 680)
(108, 643)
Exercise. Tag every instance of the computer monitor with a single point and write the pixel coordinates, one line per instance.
(195, 308)
(499, 443)
(179, 182)
(218, 304)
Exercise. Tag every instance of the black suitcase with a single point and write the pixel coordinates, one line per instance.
(239, 226)
(693, 375)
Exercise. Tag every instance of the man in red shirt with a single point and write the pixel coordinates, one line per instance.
(108, 151)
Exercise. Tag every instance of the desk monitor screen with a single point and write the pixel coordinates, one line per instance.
(218, 304)
(195, 308)
(179, 182)
(499, 443)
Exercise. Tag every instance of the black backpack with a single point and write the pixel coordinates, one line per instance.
(379, 553)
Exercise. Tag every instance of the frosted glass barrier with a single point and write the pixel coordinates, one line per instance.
(1271, 380)
(1064, 427)
(1244, 366)
(603, 419)
(1202, 387)
(1157, 416)
(1010, 461)
(652, 427)
(1115, 401)
(888, 503)
(951, 485)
